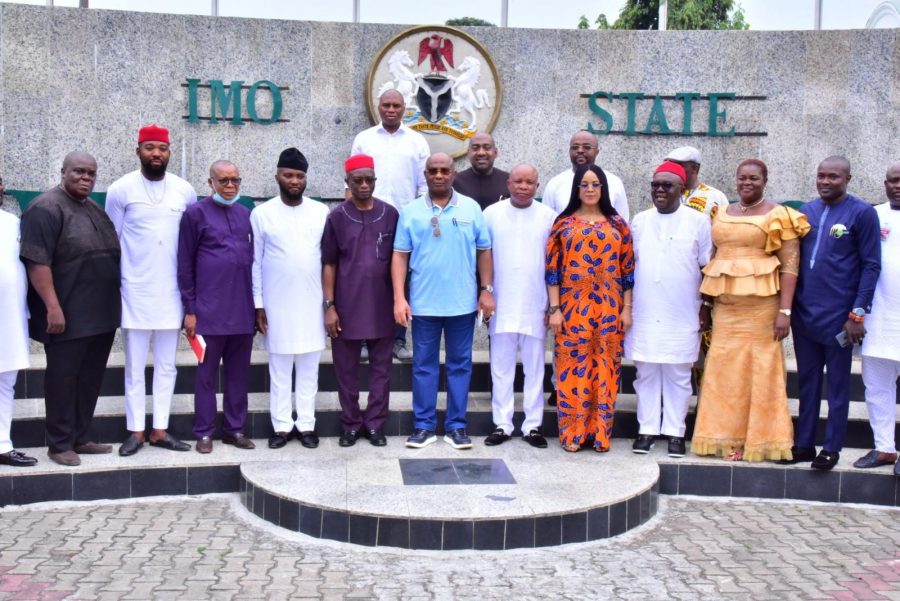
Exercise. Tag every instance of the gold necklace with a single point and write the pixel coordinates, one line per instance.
(744, 208)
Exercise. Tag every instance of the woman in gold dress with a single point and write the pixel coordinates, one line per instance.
(742, 412)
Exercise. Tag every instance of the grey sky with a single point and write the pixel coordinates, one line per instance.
(559, 14)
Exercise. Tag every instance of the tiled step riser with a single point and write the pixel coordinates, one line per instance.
(111, 429)
(30, 383)
(451, 535)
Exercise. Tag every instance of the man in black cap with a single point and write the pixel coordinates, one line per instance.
(287, 294)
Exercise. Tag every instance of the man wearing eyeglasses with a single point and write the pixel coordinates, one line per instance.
(287, 292)
(72, 254)
(441, 237)
(583, 149)
(671, 245)
(215, 259)
(359, 308)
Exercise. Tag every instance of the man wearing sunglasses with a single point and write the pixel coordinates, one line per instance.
(215, 259)
(440, 238)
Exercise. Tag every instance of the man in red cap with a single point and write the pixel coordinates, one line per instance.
(287, 294)
(356, 256)
(145, 207)
(671, 245)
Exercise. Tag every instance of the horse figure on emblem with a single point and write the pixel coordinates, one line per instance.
(404, 81)
(465, 95)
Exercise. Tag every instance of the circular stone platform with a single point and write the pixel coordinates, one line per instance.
(505, 497)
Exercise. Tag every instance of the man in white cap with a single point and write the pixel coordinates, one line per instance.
(145, 207)
(697, 195)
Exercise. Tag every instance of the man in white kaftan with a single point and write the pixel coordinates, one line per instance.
(881, 345)
(671, 245)
(519, 228)
(287, 294)
(14, 350)
(145, 207)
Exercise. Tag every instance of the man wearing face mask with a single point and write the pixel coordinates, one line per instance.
(287, 293)
(215, 259)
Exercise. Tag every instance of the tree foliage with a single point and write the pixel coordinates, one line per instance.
(682, 14)
(468, 21)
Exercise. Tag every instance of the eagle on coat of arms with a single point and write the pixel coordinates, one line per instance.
(439, 49)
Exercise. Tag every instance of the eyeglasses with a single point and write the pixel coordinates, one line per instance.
(224, 181)
(438, 170)
(435, 227)
(667, 186)
(590, 185)
(357, 181)
(577, 147)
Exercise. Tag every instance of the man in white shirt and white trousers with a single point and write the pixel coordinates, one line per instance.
(14, 352)
(287, 294)
(881, 345)
(672, 243)
(145, 207)
(519, 228)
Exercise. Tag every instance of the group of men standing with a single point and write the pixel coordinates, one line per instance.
(426, 247)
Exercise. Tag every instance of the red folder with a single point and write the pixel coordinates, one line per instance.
(198, 345)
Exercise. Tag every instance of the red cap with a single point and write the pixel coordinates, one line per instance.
(672, 168)
(153, 133)
(359, 161)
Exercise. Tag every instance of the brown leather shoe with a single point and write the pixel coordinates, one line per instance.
(238, 440)
(93, 448)
(67, 458)
(204, 445)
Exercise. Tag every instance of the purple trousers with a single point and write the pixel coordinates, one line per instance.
(345, 354)
(234, 353)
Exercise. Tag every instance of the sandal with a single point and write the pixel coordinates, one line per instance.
(737, 455)
(571, 447)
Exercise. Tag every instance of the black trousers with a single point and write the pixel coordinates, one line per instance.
(71, 386)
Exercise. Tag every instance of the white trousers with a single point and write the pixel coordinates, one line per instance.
(664, 394)
(137, 344)
(7, 388)
(880, 377)
(306, 385)
(503, 371)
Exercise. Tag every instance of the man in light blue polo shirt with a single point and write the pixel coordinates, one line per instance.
(438, 238)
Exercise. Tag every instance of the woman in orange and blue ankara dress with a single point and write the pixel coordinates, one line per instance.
(590, 274)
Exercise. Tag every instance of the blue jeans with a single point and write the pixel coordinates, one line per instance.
(458, 331)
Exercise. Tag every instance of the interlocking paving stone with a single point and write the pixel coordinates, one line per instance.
(213, 548)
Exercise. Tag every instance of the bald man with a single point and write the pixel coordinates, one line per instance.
(215, 261)
(72, 254)
(518, 228)
(399, 154)
(482, 181)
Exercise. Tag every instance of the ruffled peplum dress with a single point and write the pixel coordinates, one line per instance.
(743, 400)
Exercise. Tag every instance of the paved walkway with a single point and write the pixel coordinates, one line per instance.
(212, 548)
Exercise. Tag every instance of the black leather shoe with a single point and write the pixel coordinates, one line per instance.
(643, 443)
(800, 454)
(238, 440)
(825, 460)
(875, 459)
(17, 459)
(535, 438)
(170, 443)
(496, 437)
(676, 447)
(309, 439)
(551, 400)
(348, 438)
(131, 446)
(278, 440)
(376, 438)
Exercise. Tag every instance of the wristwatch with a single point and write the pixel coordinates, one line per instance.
(552, 309)
(785, 312)
(487, 288)
(326, 304)
(858, 314)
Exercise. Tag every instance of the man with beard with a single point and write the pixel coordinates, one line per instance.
(482, 181)
(215, 263)
(71, 253)
(356, 279)
(145, 207)
(287, 294)
(840, 259)
(880, 349)
(671, 245)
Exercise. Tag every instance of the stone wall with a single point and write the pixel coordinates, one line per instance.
(72, 78)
